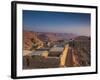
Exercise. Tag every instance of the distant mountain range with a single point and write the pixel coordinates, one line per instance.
(55, 36)
(40, 37)
(86, 38)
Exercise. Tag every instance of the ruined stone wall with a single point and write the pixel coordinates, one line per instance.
(63, 56)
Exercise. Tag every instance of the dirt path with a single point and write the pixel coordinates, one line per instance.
(69, 59)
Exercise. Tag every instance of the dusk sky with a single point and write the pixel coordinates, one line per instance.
(59, 22)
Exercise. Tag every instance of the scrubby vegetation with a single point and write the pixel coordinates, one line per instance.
(82, 49)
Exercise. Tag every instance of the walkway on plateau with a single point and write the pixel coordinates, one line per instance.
(69, 58)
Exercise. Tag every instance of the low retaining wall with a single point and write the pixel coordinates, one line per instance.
(63, 56)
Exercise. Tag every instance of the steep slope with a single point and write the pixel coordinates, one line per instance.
(82, 50)
(29, 38)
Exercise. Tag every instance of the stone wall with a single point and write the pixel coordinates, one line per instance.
(63, 56)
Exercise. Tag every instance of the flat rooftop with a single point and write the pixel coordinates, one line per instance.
(38, 52)
(56, 49)
(26, 52)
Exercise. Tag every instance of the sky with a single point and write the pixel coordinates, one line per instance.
(58, 22)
